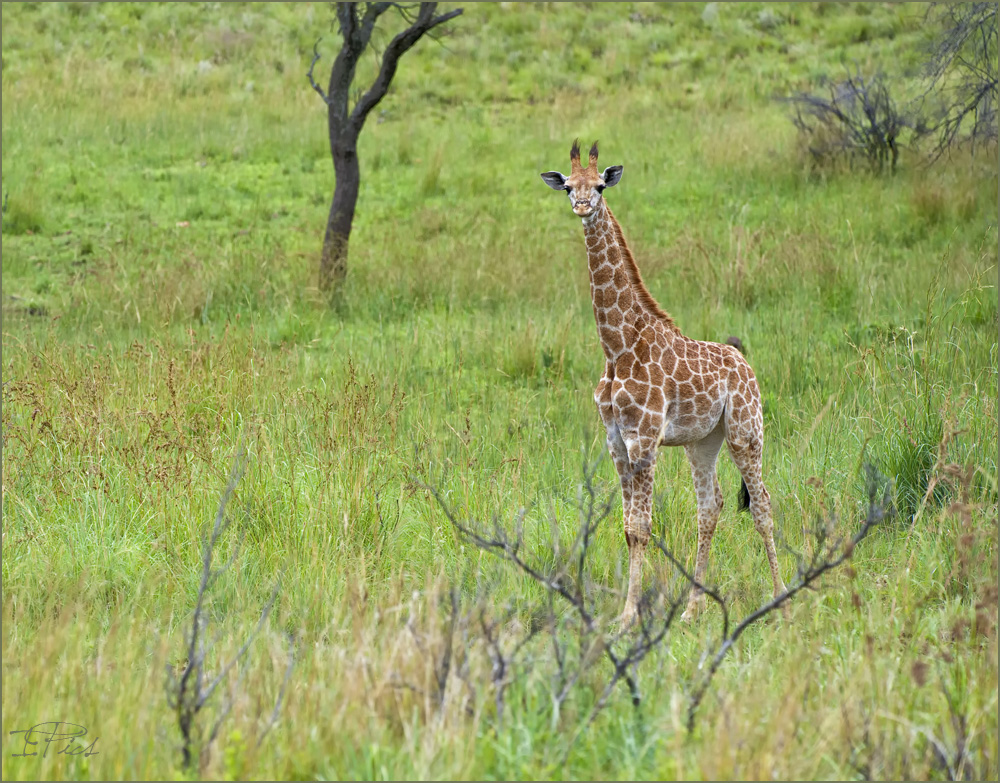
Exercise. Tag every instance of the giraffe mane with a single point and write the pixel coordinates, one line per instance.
(638, 286)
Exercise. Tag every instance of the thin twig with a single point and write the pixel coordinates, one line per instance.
(312, 65)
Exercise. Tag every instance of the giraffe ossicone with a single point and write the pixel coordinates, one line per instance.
(660, 388)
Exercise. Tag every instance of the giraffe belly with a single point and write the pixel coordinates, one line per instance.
(685, 428)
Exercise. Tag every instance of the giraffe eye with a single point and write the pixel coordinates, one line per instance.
(599, 188)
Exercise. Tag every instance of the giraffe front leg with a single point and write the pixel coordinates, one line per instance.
(637, 533)
(620, 456)
(615, 443)
(639, 524)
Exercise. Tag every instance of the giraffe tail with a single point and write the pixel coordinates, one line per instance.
(744, 496)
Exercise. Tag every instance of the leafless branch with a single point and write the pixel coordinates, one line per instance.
(957, 103)
(265, 613)
(502, 670)
(859, 119)
(188, 694)
(447, 659)
(403, 41)
(567, 583)
(825, 558)
(312, 65)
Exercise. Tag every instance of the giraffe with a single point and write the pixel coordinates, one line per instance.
(660, 388)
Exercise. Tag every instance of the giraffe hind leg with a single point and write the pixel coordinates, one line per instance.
(747, 457)
(641, 449)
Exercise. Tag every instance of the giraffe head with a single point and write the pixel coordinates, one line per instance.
(584, 185)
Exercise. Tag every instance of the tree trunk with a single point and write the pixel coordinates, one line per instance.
(345, 126)
(333, 262)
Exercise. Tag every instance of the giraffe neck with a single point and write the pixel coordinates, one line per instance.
(622, 304)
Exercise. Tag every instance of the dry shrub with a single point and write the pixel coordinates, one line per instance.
(859, 123)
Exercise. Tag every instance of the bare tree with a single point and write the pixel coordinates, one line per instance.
(858, 121)
(356, 22)
(960, 99)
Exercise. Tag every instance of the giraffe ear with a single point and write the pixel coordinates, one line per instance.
(612, 174)
(554, 180)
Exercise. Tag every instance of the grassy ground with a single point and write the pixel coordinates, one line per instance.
(166, 180)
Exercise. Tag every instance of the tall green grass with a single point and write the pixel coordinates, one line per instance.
(166, 181)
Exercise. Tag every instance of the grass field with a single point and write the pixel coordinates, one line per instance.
(166, 179)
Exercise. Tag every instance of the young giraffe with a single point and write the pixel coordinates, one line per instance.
(661, 388)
